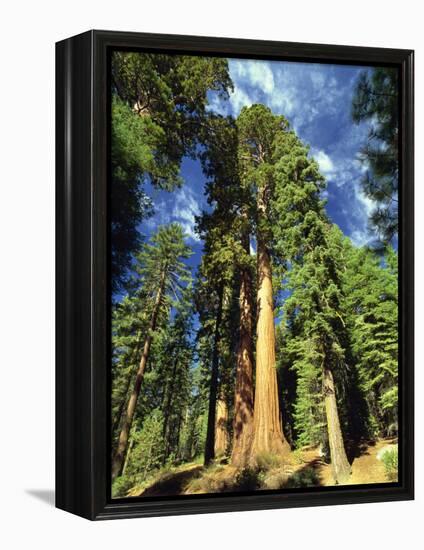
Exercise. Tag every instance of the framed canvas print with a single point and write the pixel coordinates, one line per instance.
(234, 275)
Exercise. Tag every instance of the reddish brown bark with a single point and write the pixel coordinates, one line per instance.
(268, 433)
(243, 396)
(221, 429)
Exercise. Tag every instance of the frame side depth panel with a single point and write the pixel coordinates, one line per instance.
(73, 219)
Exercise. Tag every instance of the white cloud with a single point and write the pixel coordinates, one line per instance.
(367, 204)
(325, 163)
(360, 237)
(180, 207)
(362, 207)
(256, 73)
(282, 101)
(239, 99)
(185, 209)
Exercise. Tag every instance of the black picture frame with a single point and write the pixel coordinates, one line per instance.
(82, 327)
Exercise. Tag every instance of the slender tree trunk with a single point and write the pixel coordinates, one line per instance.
(118, 459)
(222, 438)
(243, 396)
(339, 463)
(128, 454)
(268, 433)
(210, 433)
(167, 405)
(119, 415)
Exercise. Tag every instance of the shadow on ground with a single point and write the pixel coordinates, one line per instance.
(308, 475)
(172, 483)
(45, 495)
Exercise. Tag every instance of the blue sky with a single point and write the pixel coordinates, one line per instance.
(316, 99)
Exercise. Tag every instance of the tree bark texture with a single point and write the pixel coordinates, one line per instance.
(221, 429)
(210, 433)
(339, 464)
(243, 396)
(268, 433)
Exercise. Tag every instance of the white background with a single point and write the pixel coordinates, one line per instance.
(28, 32)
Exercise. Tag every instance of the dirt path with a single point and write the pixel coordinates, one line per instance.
(302, 470)
(365, 469)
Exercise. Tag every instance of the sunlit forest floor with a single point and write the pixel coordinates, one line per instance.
(303, 468)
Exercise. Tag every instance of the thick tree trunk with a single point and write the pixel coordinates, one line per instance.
(210, 433)
(268, 433)
(118, 459)
(243, 396)
(221, 429)
(339, 463)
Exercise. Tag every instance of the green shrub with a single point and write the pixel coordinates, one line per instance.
(307, 477)
(148, 452)
(297, 456)
(247, 479)
(122, 485)
(390, 461)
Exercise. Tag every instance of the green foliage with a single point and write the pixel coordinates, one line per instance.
(121, 485)
(158, 107)
(312, 332)
(307, 477)
(148, 451)
(390, 461)
(376, 100)
(372, 304)
(247, 479)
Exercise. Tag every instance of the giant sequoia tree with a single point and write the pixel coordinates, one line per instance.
(257, 132)
(161, 271)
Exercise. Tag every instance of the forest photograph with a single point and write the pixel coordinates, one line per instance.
(253, 275)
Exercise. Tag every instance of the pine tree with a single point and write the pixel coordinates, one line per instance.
(371, 290)
(376, 100)
(161, 271)
(311, 247)
(176, 359)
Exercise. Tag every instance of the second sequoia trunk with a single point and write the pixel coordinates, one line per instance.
(243, 398)
(221, 429)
